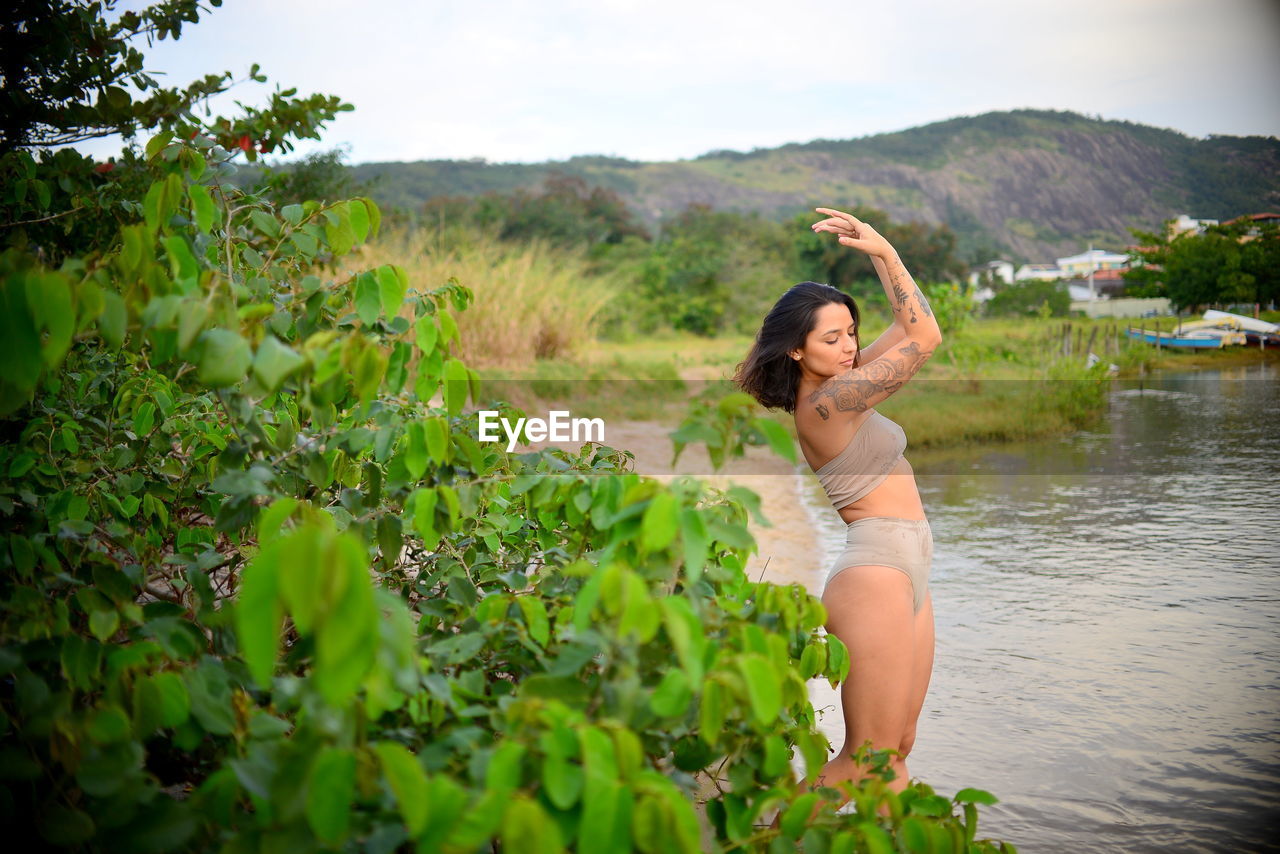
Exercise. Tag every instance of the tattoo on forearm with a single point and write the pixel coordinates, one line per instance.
(924, 303)
(899, 290)
(853, 390)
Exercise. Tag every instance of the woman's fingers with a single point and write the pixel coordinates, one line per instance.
(848, 218)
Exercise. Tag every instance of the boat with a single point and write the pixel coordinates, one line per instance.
(1199, 340)
(1227, 330)
(1248, 324)
(1256, 332)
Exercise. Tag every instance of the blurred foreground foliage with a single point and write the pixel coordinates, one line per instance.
(264, 590)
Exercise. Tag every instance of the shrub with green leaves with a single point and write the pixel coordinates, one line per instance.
(263, 589)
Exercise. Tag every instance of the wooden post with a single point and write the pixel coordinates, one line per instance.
(1080, 340)
(1088, 348)
(1066, 338)
(1157, 336)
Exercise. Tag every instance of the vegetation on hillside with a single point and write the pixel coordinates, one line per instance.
(1032, 184)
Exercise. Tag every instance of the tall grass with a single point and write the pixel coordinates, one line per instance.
(532, 301)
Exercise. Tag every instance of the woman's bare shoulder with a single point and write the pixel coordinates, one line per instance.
(821, 436)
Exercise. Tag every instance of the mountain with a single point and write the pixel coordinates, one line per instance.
(1031, 184)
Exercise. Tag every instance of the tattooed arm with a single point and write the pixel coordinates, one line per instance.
(861, 388)
(910, 309)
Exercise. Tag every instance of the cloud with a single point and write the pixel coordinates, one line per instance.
(510, 80)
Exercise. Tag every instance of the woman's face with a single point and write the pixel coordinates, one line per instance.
(830, 347)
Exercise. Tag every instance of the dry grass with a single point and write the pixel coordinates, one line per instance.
(531, 301)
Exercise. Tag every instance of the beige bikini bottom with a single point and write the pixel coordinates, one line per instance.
(904, 544)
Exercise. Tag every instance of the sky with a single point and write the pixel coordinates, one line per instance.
(511, 81)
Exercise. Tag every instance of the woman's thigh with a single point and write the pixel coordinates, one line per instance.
(869, 608)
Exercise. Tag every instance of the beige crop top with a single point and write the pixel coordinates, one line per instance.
(865, 462)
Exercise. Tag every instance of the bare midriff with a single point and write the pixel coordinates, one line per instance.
(896, 497)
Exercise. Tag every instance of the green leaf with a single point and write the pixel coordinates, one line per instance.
(274, 362)
(259, 615)
(158, 142)
(796, 818)
(763, 687)
(672, 696)
(210, 694)
(191, 323)
(368, 302)
(448, 326)
(375, 215)
(359, 218)
(292, 214)
(202, 206)
(331, 789)
(455, 386)
(196, 164)
(416, 455)
(660, 522)
(427, 333)
(50, 299)
(693, 533)
(392, 283)
(108, 725)
(103, 623)
(112, 321)
(777, 437)
(527, 829)
(423, 505)
(975, 796)
(265, 222)
(347, 640)
(337, 231)
(437, 434)
(535, 617)
(408, 783)
(306, 243)
(175, 704)
(224, 358)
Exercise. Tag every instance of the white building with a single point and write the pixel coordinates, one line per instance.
(1184, 224)
(1030, 272)
(1093, 260)
(990, 272)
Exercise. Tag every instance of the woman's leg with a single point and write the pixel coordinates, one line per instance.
(869, 608)
(921, 671)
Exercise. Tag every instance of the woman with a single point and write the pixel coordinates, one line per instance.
(807, 360)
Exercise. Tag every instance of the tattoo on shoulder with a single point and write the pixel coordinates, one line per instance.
(851, 391)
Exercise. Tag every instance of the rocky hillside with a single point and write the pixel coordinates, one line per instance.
(1031, 184)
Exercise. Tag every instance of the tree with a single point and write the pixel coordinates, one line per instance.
(68, 71)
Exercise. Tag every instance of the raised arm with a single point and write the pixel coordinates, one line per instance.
(859, 389)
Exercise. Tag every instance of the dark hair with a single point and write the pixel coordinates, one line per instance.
(769, 374)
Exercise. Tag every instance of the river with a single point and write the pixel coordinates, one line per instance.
(1108, 623)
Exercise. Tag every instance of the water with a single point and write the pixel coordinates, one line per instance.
(1107, 611)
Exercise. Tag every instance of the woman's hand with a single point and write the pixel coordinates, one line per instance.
(854, 233)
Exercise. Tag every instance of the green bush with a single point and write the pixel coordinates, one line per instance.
(262, 589)
(259, 591)
(1030, 298)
